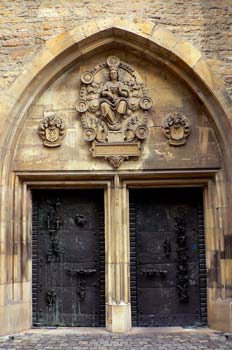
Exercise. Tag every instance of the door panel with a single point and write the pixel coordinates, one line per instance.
(68, 258)
(167, 239)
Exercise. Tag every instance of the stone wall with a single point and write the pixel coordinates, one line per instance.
(26, 25)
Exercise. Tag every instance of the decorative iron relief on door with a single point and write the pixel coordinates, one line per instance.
(182, 274)
(51, 297)
(80, 276)
(154, 272)
(114, 109)
(80, 220)
(167, 248)
(52, 130)
(176, 128)
(54, 222)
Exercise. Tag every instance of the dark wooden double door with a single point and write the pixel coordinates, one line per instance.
(68, 258)
(168, 276)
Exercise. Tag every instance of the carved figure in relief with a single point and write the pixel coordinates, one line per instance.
(176, 128)
(114, 107)
(52, 130)
(114, 103)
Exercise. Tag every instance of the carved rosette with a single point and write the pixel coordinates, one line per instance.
(52, 130)
(176, 127)
(113, 109)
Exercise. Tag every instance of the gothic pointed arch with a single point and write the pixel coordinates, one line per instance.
(153, 44)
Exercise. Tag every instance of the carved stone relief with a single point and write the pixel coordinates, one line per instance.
(114, 107)
(51, 130)
(176, 128)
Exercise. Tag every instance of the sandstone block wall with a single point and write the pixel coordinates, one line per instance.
(25, 25)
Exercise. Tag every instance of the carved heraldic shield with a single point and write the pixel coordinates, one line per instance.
(52, 130)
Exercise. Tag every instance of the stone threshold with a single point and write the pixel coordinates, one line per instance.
(104, 331)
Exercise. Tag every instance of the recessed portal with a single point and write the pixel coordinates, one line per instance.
(168, 273)
(68, 258)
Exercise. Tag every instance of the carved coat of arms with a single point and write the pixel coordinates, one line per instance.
(114, 109)
(51, 130)
(176, 128)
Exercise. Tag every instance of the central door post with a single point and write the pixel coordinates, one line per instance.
(118, 310)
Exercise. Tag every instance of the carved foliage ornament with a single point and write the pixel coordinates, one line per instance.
(52, 130)
(113, 107)
(176, 128)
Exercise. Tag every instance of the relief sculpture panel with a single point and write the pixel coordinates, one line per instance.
(113, 108)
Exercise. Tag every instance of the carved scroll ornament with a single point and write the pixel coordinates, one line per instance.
(176, 128)
(52, 130)
(114, 108)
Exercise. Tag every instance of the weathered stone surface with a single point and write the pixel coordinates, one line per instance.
(191, 54)
(205, 25)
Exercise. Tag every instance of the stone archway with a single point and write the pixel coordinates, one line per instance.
(56, 57)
